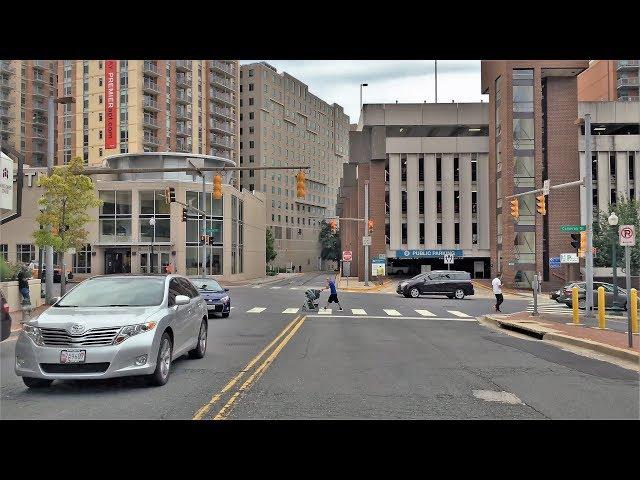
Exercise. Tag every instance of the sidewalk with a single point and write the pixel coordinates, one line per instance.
(545, 327)
(485, 284)
(352, 284)
(261, 280)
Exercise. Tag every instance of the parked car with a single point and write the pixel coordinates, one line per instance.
(5, 318)
(562, 294)
(114, 326)
(611, 302)
(217, 298)
(438, 282)
(57, 273)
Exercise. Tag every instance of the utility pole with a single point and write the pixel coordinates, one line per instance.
(366, 226)
(48, 259)
(589, 197)
(204, 227)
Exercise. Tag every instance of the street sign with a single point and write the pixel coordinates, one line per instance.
(569, 258)
(627, 235)
(545, 187)
(378, 267)
(347, 256)
(366, 241)
(573, 228)
(554, 262)
(427, 253)
(448, 258)
(382, 256)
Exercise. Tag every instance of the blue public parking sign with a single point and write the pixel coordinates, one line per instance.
(554, 262)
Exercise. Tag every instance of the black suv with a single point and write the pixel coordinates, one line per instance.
(438, 282)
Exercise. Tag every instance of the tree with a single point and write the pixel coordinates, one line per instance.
(628, 212)
(330, 243)
(67, 197)
(271, 253)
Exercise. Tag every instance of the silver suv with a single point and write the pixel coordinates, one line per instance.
(114, 326)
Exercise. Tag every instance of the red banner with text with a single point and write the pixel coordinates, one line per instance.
(110, 108)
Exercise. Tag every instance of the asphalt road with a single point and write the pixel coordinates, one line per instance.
(383, 357)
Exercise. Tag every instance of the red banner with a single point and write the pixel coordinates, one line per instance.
(110, 104)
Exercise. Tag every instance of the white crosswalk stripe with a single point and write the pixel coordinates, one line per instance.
(291, 310)
(426, 313)
(275, 288)
(391, 312)
(257, 286)
(256, 310)
(323, 311)
(458, 314)
(358, 311)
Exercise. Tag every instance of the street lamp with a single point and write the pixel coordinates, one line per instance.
(362, 85)
(152, 223)
(613, 221)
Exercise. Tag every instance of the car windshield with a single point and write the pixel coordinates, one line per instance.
(207, 285)
(116, 291)
(420, 275)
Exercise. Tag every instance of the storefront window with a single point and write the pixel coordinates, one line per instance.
(115, 216)
(82, 260)
(26, 252)
(154, 206)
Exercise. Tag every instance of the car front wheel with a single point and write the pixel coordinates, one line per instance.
(163, 364)
(459, 294)
(201, 347)
(414, 292)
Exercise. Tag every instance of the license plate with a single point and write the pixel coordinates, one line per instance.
(73, 356)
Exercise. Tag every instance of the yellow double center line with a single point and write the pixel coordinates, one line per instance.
(288, 332)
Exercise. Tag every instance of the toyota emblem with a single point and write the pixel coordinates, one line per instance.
(77, 328)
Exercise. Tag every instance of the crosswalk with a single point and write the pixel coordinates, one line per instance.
(361, 312)
(551, 307)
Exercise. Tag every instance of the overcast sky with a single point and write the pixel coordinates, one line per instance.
(407, 81)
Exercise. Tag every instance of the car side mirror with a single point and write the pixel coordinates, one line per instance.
(54, 300)
(226, 289)
(182, 300)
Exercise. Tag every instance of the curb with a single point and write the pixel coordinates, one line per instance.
(592, 345)
(377, 288)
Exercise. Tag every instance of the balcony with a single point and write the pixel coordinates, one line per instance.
(149, 122)
(219, 81)
(150, 139)
(183, 113)
(37, 77)
(628, 64)
(183, 97)
(183, 80)
(5, 67)
(39, 107)
(150, 86)
(183, 65)
(224, 127)
(183, 130)
(40, 64)
(222, 142)
(150, 68)
(6, 128)
(39, 92)
(226, 113)
(224, 98)
(150, 104)
(629, 98)
(4, 97)
(5, 112)
(6, 83)
(628, 82)
(39, 120)
(221, 153)
(219, 66)
(183, 147)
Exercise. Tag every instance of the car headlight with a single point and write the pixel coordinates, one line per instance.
(131, 330)
(225, 299)
(34, 333)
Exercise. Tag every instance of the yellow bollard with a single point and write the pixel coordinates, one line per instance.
(574, 306)
(602, 320)
(633, 304)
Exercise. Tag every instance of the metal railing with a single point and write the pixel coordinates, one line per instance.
(150, 103)
(223, 66)
(628, 64)
(182, 112)
(6, 67)
(150, 85)
(183, 65)
(183, 80)
(40, 63)
(150, 139)
(629, 98)
(223, 112)
(149, 122)
(183, 129)
(5, 127)
(225, 127)
(225, 82)
(628, 82)
(183, 96)
(149, 67)
(225, 97)
(223, 141)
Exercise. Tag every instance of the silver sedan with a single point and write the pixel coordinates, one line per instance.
(114, 326)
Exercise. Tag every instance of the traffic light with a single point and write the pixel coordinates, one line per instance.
(334, 226)
(542, 207)
(575, 240)
(370, 226)
(515, 209)
(184, 214)
(217, 187)
(169, 195)
(301, 190)
(583, 243)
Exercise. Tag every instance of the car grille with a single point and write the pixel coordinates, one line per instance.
(96, 337)
(74, 367)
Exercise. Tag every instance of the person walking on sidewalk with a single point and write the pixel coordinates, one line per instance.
(333, 297)
(23, 286)
(496, 283)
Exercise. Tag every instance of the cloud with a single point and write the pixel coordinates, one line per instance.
(389, 80)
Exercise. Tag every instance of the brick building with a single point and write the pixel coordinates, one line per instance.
(532, 137)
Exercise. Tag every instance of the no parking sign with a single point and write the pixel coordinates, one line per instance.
(627, 235)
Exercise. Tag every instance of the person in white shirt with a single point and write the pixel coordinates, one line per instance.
(496, 283)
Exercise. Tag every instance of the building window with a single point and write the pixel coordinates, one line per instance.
(438, 169)
(404, 202)
(421, 169)
(115, 216)
(403, 168)
(421, 202)
(26, 253)
(613, 196)
(631, 165)
(474, 203)
(612, 166)
(404, 233)
(250, 101)
(4, 252)
(456, 169)
(456, 201)
(439, 233)
(421, 232)
(439, 201)
(153, 206)
(474, 233)
(82, 260)
(456, 233)
(474, 170)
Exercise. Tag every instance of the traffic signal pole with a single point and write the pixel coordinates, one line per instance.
(366, 226)
(589, 200)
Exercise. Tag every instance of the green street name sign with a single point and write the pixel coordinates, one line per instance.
(573, 228)
(211, 230)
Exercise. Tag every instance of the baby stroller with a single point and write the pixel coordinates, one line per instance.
(311, 294)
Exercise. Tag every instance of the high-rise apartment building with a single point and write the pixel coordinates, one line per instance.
(281, 124)
(533, 106)
(133, 106)
(25, 88)
(610, 80)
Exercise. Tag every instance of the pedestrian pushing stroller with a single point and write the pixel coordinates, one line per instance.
(311, 294)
